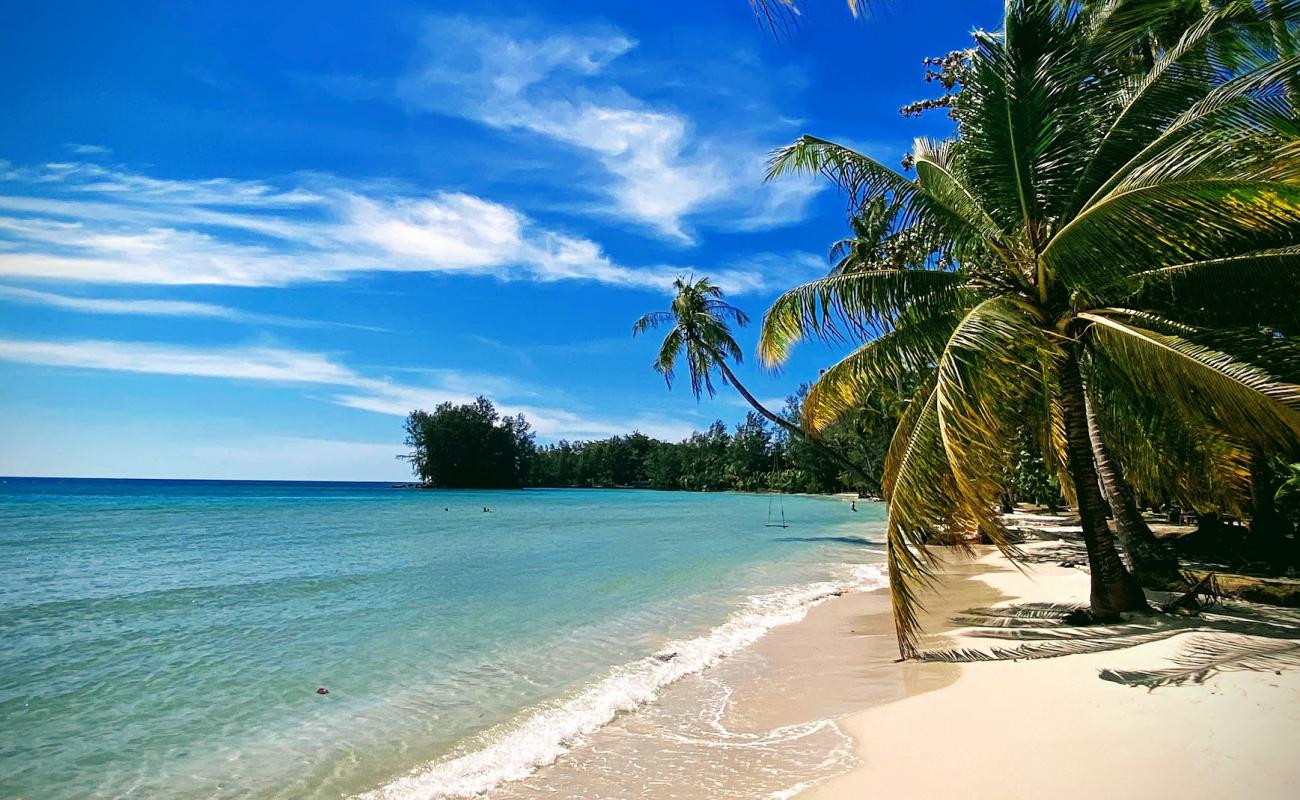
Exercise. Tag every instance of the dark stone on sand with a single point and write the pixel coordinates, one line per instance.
(666, 657)
(1079, 616)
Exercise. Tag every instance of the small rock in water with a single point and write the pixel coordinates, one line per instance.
(666, 657)
(322, 690)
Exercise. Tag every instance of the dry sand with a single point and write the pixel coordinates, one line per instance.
(1052, 728)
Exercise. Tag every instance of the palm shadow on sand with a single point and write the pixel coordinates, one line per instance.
(1228, 637)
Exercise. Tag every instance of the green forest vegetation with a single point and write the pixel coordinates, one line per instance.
(473, 446)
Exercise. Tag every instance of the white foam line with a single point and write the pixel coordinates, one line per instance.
(544, 736)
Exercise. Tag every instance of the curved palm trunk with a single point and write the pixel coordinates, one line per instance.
(1114, 589)
(789, 426)
(1152, 562)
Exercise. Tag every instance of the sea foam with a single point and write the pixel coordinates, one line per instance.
(542, 736)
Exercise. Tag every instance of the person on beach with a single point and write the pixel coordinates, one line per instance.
(853, 505)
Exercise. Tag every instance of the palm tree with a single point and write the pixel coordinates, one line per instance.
(699, 318)
(1060, 229)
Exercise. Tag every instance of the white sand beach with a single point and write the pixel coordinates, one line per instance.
(1051, 727)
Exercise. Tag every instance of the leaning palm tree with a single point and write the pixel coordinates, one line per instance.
(1057, 232)
(699, 318)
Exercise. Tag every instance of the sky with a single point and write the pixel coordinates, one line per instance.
(244, 240)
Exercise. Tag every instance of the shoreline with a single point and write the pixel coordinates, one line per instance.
(869, 725)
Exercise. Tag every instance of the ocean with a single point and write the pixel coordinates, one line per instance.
(170, 638)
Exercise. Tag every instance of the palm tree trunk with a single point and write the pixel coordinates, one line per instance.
(789, 426)
(1268, 529)
(1152, 562)
(1114, 589)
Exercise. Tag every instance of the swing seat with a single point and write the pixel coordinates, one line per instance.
(770, 523)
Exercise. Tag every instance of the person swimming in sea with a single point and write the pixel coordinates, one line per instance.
(853, 505)
(487, 510)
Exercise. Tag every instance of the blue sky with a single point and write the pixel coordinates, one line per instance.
(242, 240)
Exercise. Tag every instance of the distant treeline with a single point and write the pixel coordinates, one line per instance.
(473, 446)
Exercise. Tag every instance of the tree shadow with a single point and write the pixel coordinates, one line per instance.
(1229, 637)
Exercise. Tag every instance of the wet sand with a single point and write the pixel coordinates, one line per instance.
(766, 722)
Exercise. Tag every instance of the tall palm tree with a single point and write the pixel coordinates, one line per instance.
(699, 318)
(870, 247)
(1061, 226)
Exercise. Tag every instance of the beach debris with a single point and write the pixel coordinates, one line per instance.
(666, 656)
(1190, 603)
(322, 690)
(1079, 616)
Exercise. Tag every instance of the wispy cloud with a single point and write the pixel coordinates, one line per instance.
(347, 387)
(93, 224)
(89, 149)
(163, 308)
(663, 170)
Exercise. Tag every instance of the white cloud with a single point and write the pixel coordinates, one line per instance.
(89, 149)
(96, 225)
(454, 231)
(663, 171)
(350, 388)
(256, 363)
(162, 308)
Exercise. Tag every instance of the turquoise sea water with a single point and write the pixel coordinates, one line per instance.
(167, 638)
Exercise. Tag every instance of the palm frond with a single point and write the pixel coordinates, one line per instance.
(1224, 291)
(1199, 220)
(888, 360)
(1177, 80)
(857, 303)
(985, 381)
(1243, 400)
(864, 179)
(650, 321)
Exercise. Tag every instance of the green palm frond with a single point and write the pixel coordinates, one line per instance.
(1243, 400)
(1151, 107)
(1167, 451)
(985, 381)
(864, 180)
(853, 304)
(937, 172)
(1224, 291)
(888, 360)
(1209, 134)
(1201, 220)
(917, 483)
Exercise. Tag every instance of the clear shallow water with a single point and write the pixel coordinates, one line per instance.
(166, 638)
